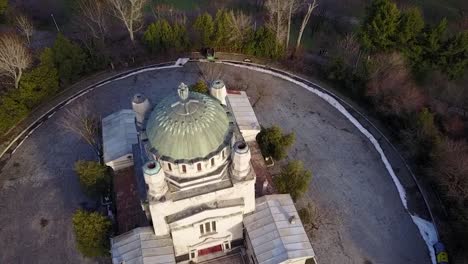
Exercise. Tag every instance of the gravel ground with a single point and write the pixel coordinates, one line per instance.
(365, 219)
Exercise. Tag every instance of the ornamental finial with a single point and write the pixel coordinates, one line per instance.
(183, 92)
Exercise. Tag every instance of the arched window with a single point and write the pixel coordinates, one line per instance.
(199, 166)
(169, 166)
(184, 169)
(223, 155)
(212, 162)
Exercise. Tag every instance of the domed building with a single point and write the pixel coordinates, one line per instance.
(199, 185)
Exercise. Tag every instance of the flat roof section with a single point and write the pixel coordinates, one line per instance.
(244, 114)
(141, 246)
(276, 232)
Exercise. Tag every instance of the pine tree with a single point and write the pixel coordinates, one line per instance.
(204, 27)
(91, 233)
(379, 25)
(159, 36)
(454, 55)
(69, 59)
(223, 29)
(294, 179)
(410, 25)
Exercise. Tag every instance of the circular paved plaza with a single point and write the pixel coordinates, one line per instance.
(364, 217)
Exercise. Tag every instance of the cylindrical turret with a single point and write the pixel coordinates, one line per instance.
(141, 105)
(240, 167)
(155, 179)
(218, 90)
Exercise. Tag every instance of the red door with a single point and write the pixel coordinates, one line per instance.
(210, 250)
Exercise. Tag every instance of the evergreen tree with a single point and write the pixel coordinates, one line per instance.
(69, 59)
(274, 143)
(3, 6)
(425, 54)
(181, 40)
(454, 55)
(410, 25)
(91, 233)
(294, 179)
(204, 27)
(379, 25)
(41, 82)
(159, 36)
(94, 177)
(223, 29)
(262, 43)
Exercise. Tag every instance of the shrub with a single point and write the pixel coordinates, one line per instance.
(200, 87)
(391, 87)
(293, 179)
(12, 110)
(274, 143)
(41, 82)
(422, 137)
(91, 233)
(94, 177)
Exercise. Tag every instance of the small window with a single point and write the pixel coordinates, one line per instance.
(199, 166)
(169, 167)
(192, 254)
(184, 169)
(223, 154)
(212, 162)
(227, 246)
(208, 227)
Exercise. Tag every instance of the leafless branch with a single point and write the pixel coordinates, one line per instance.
(25, 26)
(240, 23)
(82, 122)
(14, 57)
(93, 17)
(130, 13)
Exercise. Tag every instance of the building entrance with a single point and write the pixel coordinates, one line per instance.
(210, 250)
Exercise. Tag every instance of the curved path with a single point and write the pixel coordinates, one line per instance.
(366, 220)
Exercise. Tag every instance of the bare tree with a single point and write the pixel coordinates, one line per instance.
(210, 72)
(82, 122)
(14, 57)
(93, 17)
(310, 8)
(240, 23)
(130, 12)
(293, 6)
(25, 26)
(391, 86)
(277, 18)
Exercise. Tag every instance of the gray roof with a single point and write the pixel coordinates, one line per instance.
(184, 130)
(141, 246)
(118, 134)
(274, 238)
(243, 111)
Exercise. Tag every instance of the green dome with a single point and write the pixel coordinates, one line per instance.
(190, 129)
